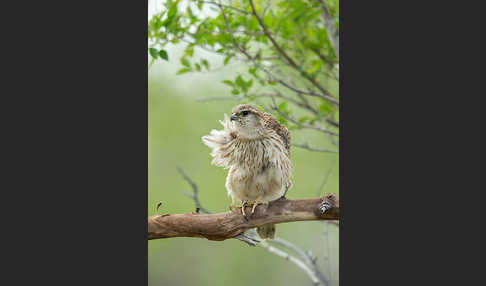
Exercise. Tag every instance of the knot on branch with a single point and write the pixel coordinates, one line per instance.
(329, 205)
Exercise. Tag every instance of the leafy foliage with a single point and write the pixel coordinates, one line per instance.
(285, 44)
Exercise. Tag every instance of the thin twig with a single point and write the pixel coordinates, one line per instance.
(301, 124)
(326, 255)
(326, 94)
(195, 195)
(250, 236)
(326, 175)
(226, 6)
(306, 256)
(304, 105)
(307, 147)
(216, 98)
(256, 64)
(315, 280)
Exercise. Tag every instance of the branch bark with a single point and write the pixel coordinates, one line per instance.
(221, 226)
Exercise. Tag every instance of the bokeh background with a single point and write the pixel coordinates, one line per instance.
(177, 121)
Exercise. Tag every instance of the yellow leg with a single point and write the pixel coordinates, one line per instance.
(253, 208)
(255, 204)
(243, 204)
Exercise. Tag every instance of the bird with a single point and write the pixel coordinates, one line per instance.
(255, 148)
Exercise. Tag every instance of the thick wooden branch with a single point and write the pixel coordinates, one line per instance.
(221, 226)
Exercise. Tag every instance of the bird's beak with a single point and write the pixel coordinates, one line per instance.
(233, 117)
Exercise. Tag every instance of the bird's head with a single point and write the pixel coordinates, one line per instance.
(248, 121)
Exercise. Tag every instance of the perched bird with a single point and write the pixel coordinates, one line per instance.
(255, 148)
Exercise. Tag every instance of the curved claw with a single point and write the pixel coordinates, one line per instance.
(255, 204)
(243, 205)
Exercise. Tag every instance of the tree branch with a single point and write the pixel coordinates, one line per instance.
(195, 195)
(312, 275)
(314, 126)
(306, 257)
(307, 147)
(260, 67)
(221, 226)
(225, 6)
(290, 61)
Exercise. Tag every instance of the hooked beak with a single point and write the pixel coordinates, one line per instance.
(233, 117)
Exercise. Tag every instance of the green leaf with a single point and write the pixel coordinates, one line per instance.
(183, 70)
(189, 12)
(253, 98)
(198, 67)
(205, 63)
(227, 59)
(282, 119)
(235, 92)
(249, 83)
(283, 106)
(228, 82)
(153, 52)
(185, 62)
(163, 54)
(304, 119)
(190, 52)
(239, 81)
(252, 71)
(325, 108)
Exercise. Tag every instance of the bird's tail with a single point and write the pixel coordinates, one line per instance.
(266, 231)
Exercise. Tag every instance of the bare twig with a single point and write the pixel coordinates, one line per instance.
(217, 98)
(315, 280)
(301, 104)
(302, 124)
(195, 195)
(329, 63)
(305, 255)
(326, 175)
(250, 237)
(225, 6)
(307, 147)
(327, 254)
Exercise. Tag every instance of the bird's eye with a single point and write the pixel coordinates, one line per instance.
(245, 113)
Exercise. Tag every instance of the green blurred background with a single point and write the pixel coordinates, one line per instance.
(177, 120)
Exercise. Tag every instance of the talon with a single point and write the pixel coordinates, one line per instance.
(243, 204)
(258, 203)
(253, 208)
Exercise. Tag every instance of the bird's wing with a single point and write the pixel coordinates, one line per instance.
(281, 130)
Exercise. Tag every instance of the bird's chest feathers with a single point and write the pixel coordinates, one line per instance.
(254, 156)
(258, 169)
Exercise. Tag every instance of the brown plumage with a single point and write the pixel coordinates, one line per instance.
(255, 148)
